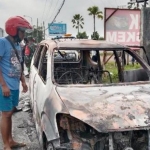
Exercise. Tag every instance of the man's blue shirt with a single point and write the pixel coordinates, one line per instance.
(9, 64)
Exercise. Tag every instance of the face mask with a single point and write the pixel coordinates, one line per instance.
(17, 39)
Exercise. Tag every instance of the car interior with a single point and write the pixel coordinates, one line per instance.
(84, 68)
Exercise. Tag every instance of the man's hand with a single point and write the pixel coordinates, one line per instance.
(5, 90)
(25, 87)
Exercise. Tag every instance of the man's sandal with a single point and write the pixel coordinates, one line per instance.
(18, 145)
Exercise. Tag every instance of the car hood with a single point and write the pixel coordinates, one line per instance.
(109, 108)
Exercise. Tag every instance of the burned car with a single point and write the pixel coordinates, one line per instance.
(76, 108)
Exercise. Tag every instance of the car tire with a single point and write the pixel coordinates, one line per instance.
(50, 146)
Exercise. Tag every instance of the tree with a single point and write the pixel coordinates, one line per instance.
(136, 5)
(101, 38)
(37, 33)
(95, 12)
(82, 35)
(95, 36)
(78, 22)
(133, 5)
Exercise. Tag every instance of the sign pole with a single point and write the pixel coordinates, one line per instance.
(144, 3)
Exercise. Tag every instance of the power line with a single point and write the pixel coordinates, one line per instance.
(54, 10)
(49, 7)
(44, 9)
(58, 12)
(92, 2)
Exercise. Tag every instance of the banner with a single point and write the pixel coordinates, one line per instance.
(57, 28)
(122, 26)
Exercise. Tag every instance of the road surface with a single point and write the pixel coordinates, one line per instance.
(24, 127)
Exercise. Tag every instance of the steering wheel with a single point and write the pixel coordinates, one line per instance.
(71, 77)
(93, 75)
(109, 75)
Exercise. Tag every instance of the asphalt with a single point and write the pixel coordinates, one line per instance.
(23, 126)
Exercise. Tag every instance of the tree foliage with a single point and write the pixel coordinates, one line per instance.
(101, 38)
(78, 22)
(135, 5)
(95, 36)
(82, 35)
(37, 33)
(95, 12)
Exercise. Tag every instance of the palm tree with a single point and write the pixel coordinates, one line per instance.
(78, 22)
(95, 12)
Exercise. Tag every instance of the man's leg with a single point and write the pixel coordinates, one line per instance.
(6, 127)
(15, 100)
(11, 141)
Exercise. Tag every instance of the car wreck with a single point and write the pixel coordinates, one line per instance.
(78, 104)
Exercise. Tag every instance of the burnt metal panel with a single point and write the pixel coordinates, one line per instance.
(84, 44)
(109, 108)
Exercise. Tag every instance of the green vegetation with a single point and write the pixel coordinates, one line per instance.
(82, 35)
(95, 36)
(130, 66)
(78, 22)
(37, 33)
(114, 71)
(95, 12)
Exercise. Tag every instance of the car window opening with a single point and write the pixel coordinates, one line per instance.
(43, 65)
(97, 67)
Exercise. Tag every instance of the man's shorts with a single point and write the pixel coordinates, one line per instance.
(8, 103)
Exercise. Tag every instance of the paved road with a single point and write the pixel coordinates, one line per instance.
(24, 128)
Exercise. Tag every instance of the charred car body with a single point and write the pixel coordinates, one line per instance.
(74, 109)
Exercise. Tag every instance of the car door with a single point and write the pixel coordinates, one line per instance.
(41, 90)
(34, 72)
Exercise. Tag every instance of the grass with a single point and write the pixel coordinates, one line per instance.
(114, 71)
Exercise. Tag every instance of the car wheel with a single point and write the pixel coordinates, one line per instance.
(50, 146)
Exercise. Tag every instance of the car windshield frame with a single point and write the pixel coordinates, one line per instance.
(142, 62)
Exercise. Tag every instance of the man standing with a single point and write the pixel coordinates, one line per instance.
(10, 76)
(29, 51)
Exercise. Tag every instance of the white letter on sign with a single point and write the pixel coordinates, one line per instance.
(135, 20)
(111, 36)
(131, 37)
(121, 36)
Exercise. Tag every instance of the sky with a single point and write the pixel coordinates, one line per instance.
(45, 10)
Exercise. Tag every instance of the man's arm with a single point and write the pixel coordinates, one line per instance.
(5, 89)
(24, 85)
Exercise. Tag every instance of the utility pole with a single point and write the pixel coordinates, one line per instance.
(37, 32)
(144, 3)
(44, 30)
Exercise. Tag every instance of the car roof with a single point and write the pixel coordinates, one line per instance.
(85, 44)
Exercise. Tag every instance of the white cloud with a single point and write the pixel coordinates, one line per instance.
(38, 9)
